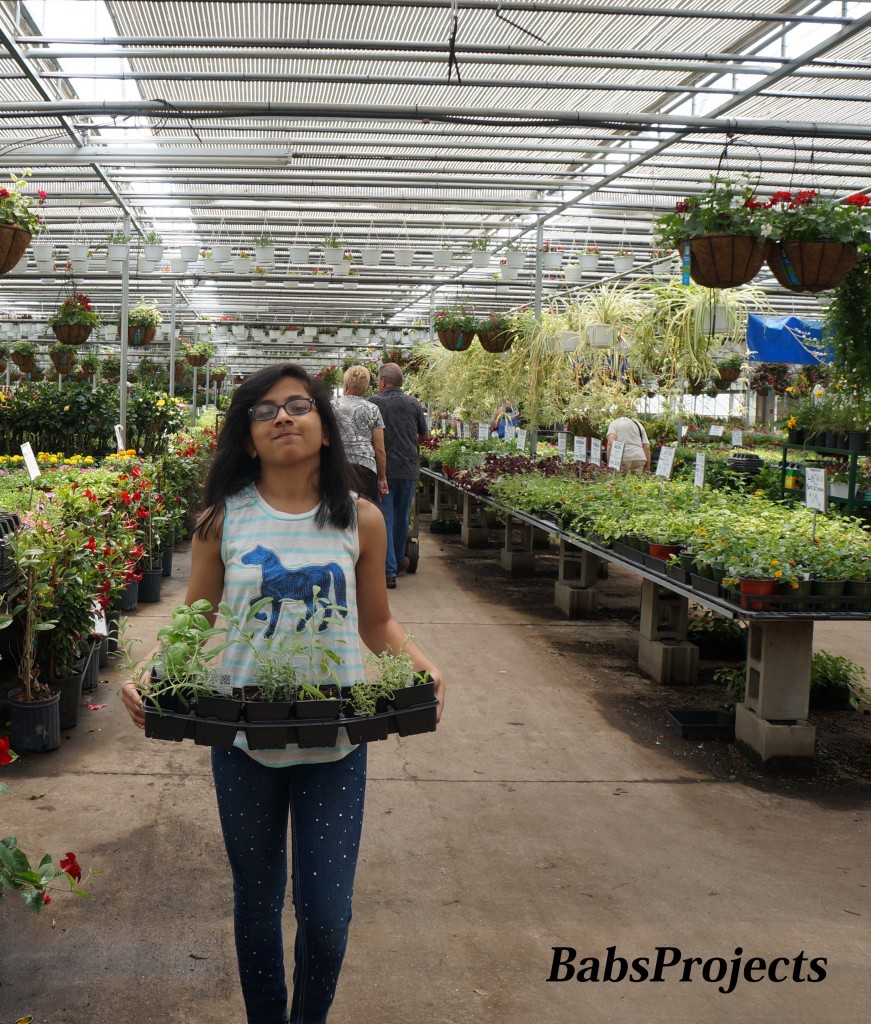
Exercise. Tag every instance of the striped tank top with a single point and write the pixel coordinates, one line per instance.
(268, 553)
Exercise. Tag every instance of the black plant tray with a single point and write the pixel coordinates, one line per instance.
(654, 564)
(630, 554)
(313, 732)
(698, 724)
(704, 585)
(677, 574)
(814, 604)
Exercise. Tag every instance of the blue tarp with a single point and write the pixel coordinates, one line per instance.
(786, 339)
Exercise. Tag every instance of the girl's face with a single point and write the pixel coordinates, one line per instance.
(292, 431)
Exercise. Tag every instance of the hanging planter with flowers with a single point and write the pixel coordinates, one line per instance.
(18, 221)
(815, 239)
(63, 357)
(495, 332)
(456, 327)
(723, 228)
(198, 353)
(551, 256)
(142, 323)
(75, 319)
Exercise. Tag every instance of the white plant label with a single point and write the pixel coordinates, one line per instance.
(699, 478)
(445, 426)
(101, 627)
(483, 431)
(119, 437)
(580, 449)
(815, 489)
(665, 463)
(615, 459)
(521, 440)
(562, 444)
(220, 682)
(30, 460)
(738, 438)
(717, 430)
(467, 432)
(596, 451)
(510, 431)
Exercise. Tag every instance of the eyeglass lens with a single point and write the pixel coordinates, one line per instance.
(293, 407)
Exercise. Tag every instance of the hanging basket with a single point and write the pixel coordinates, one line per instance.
(726, 377)
(72, 334)
(725, 261)
(811, 266)
(495, 341)
(13, 241)
(195, 360)
(63, 361)
(2, 365)
(140, 336)
(456, 340)
(24, 363)
(218, 376)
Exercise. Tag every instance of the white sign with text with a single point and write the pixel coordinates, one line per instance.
(717, 430)
(30, 460)
(510, 431)
(580, 449)
(699, 478)
(562, 443)
(615, 458)
(665, 463)
(521, 440)
(596, 451)
(738, 438)
(815, 489)
(483, 432)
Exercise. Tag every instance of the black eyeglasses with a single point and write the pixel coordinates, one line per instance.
(293, 407)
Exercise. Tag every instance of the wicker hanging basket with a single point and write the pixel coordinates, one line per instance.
(456, 340)
(140, 336)
(13, 241)
(72, 334)
(496, 341)
(25, 363)
(63, 361)
(811, 266)
(725, 261)
(726, 377)
(195, 360)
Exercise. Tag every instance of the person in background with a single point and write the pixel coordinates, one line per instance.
(404, 429)
(362, 431)
(505, 415)
(636, 454)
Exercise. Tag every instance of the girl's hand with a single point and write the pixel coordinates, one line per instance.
(438, 678)
(133, 702)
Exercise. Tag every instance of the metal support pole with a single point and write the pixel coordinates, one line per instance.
(208, 381)
(125, 304)
(194, 401)
(539, 241)
(172, 340)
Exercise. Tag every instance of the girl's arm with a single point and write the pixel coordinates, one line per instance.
(206, 581)
(378, 629)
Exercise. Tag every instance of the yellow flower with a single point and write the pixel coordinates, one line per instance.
(66, 408)
(774, 561)
(778, 574)
(160, 403)
(791, 422)
(794, 584)
(758, 494)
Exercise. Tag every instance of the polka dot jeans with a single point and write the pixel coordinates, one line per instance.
(324, 803)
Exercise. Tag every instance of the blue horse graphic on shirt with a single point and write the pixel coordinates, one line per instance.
(281, 584)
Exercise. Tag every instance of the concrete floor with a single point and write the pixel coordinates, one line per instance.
(526, 822)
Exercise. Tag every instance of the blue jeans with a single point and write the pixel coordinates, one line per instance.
(395, 507)
(325, 804)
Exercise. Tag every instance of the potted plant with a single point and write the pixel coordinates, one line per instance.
(330, 377)
(143, 320)
(264, 248)
(74, 320)
(495, 332)
(242, 262)
(88, 366)
(63, 357)
(724, 227)
(479, 251)
(515, 257)
(589, 258)
(18, 220)
(551, 256)
(728, 368)
(152, 246)
(333, 249)
(118, 245)
(456, 327)
(23, 354)
(198, 353)
(623, 261)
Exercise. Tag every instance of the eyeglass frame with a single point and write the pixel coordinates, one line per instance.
(278, 406)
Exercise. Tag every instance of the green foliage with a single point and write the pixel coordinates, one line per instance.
(727, 206)
(847, 325)
(16, 207)
(118, 238)
(834, 670)
(71, 419)
(75, 310)
(144, 314)
(456, 318)
(807, 216)
(32, 883)
(152, 237)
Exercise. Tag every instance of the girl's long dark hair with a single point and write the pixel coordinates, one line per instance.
(233, 469)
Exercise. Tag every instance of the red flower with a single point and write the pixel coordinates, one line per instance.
(42, 196)
(4, 193)
(126, 497)
(136, 471)
(46, 898)
(142, 512)
(5, 756)
(780, 197)
(684, 206)
(803, 198)
(753, 204)
(137, 495)
(71, 866)
(90, 544)
(859, 199)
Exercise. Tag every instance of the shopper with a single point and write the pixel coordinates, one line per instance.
(280, 479)
(505, 415)
(404, 429)
(362, 434)
(636, 453)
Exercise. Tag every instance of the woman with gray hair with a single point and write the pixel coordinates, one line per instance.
(362, 430)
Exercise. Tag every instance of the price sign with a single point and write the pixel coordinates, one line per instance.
(738, 438)
(699, 478)
(596, 451)
(815, 489)
(483, 432)
(119, 437)
(665, 464)
(717, 430)
(615, 459)
(510, 431)
(467, 432)
(30, 460)
(445, 426)
(521, 440)
(580, 449)
(562, 443)
(684, 430)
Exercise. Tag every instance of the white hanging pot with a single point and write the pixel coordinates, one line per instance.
(222, 253)
(153, 252)
(145, 265)
(588, 260)
(42, 251)
(78, 251)
(370, 256)
(264, 253)
(480, 258)
(601, 335)
(662, 266)
(442, 257)
(573, 274)
(569, 340)
(115, 266)
(239, 331)
(716, 319)
(118, 251)
(242, 265)
(515, 260)
(345, 332)
(341, 269)
(275, 334)
(298, 254)
(45, 266)
(221, 332)
(351, 282)
(325, 339)
(403, 257)
(551, 260)
(622, 264)
(333, 254)
(189, 252)
(309, 332)
(20, 266)
(80, 266)
(177, 265)
(509, 273)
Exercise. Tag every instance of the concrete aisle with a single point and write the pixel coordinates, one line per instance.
(525, 822)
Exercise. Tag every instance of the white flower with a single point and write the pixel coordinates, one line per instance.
(736, 203)
(766, 230)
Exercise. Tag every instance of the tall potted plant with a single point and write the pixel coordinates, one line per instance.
(75, 319)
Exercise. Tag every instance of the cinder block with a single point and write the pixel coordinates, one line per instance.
(779, 669)
(474, 536)
(675, 662)
(664, 614)
(517, 562)
(575, 601)
(518, 536)
(769, 740)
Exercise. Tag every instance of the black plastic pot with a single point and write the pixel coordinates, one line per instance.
(70, 690)
(91, 673)
(321, 728)
(167, 560)
(170, 721)
(129, 598)
(149, 586)
(103, 654)
(260, 732)
(857, 441)
(35, 724)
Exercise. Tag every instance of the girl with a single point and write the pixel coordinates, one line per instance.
(279, 483)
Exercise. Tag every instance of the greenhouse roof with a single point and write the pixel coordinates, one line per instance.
(411, 125)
